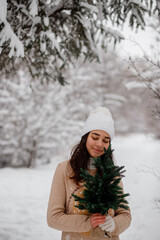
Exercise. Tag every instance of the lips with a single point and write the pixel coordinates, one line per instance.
(97, 150)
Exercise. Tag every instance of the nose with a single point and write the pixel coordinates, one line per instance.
(99, 143)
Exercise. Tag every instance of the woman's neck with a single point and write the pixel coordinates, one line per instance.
(91, 164)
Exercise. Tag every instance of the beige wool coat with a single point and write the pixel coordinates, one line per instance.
(74, 223)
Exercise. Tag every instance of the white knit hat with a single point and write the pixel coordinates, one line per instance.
(99, 118)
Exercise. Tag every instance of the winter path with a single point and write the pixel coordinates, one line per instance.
(24, 194)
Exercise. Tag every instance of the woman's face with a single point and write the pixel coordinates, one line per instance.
(96, 142)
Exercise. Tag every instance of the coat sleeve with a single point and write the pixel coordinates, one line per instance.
(56, 216)
(122, 219)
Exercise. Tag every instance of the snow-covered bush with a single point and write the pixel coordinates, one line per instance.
(28, 119)
(38, 122)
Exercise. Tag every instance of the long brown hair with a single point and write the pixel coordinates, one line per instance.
(79, 159)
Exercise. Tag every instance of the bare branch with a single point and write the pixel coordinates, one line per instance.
(154, 171)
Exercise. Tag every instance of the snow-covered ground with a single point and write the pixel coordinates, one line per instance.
(24, 193)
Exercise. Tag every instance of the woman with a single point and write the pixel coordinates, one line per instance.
(75, 224)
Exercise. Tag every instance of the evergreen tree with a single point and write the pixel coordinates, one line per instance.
(44, 37)
(102, 191)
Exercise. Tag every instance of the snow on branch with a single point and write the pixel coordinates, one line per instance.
(92, 44)
(86, 23)
(138, 17)
(55, 43)
(114, 33)
(135, 84)
(138, 3)
(90, 7)
(33, 8)
(7, 34)
(16, 46)
(3, 10)
(116, 97)
(60, 5)
(51, 36)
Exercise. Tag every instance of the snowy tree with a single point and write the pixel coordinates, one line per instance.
(146, 72)
(108, 84)
(28, 122)
(38, 122)
(149, 77)
(44, 37)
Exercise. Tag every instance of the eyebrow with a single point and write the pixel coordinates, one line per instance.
(99, 135)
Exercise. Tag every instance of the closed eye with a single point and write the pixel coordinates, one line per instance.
(106, 141)
(94, 138)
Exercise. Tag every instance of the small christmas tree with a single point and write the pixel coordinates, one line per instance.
(102, 191)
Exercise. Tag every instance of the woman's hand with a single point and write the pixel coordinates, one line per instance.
(109, 224)
(97, 219)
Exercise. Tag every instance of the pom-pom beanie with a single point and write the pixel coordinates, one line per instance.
(99, 118)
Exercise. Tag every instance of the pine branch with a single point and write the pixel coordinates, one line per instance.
(102, 191)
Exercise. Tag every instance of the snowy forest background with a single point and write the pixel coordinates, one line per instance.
(58, 60)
